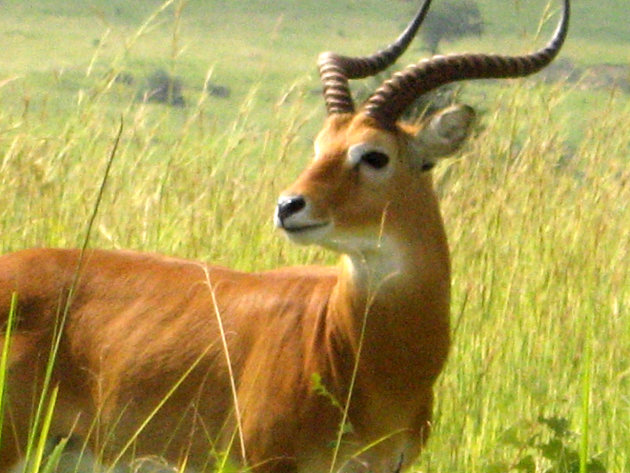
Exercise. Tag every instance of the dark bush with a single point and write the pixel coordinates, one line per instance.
(220, 91)
(125, 78)
(161, 87)
(449, 21)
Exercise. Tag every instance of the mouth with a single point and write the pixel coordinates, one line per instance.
(297, 229)
(307, 233)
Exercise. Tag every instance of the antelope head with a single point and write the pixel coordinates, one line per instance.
(367, 164)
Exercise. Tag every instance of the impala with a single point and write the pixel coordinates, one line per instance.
(310, 369)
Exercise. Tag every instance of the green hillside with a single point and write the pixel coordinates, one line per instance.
(55, 50)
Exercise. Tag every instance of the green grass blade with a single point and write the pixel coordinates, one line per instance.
(35, 462)
(4, 360)
(51, 462)
(586, 401)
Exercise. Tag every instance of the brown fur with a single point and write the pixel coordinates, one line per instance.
(137, 324)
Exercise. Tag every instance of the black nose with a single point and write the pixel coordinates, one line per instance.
(289, 205)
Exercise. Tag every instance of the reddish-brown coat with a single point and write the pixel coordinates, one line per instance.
(138, 322)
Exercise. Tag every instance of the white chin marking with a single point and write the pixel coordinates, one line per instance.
(308, 234)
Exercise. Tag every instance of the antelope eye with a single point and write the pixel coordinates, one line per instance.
(375, 159)
(427, 166)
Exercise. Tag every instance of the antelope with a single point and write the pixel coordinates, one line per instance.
(300, 369)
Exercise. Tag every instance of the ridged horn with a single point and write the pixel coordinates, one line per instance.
(392, 98)
(335, 70)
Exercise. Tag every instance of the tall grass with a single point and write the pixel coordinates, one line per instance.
(537, 219)
(540, 241)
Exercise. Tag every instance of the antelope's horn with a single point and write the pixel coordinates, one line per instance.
(335, 70)
(392, 98)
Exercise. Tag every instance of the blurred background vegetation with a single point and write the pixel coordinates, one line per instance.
(56, 52)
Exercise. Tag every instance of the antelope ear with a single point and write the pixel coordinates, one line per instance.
(445, 132)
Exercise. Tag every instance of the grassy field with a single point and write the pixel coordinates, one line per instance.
(536, 208)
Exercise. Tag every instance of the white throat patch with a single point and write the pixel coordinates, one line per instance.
(373, 263)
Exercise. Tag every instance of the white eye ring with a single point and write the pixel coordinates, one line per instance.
(358, 151)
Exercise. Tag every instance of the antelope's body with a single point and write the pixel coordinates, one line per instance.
(138, 322)
(310, 369)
